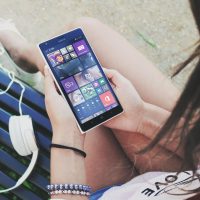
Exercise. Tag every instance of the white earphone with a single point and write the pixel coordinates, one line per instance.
(21, 133)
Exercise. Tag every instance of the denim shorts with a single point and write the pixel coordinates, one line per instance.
(96, 195)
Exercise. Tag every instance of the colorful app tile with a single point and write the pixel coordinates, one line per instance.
(95, 84)
(89, 109)
(73, 54)
(67, 57)
(70, 48)
(70, 68)
(59, 73)
(102, 81)
(94, 105)
(95, 71)
(76, 97)
(99, 90)
(55, 58)
(87, 76)
(105, 87)
(107, 99)
(69, 84)
(63, 51)
(88, 91)
(80, 47)
(82, 111)
(87, 60)
(83, 78)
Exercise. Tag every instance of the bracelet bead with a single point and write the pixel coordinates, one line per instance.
(76, 187)
(66, 186)
(80, 187)
(71, 186)
(56, 187)
(61, 186)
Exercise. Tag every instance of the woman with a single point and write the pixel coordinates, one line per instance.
(147, 106)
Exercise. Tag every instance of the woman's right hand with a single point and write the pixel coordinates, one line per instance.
(132, 103)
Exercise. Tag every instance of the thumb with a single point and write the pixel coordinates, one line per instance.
(49, 88)
(114, 77)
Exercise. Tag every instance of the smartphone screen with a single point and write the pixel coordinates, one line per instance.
(81, 79)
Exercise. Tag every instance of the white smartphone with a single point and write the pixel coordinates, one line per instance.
(80, 79)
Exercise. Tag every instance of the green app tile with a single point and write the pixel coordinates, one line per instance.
(102, 81)
(88, 91)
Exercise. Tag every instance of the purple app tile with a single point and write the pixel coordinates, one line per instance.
(95, 84)
(69, 84)
(80, 47)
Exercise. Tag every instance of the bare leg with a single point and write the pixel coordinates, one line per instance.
(158, 159)
(23, 53)
(106, 163)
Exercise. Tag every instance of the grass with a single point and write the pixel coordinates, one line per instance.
(147, 39)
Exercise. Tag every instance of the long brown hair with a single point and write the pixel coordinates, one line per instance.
(187, 107)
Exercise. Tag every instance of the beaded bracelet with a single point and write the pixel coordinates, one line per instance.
(69, 189)
(74, 192)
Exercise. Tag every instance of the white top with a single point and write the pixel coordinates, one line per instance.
(155, 186)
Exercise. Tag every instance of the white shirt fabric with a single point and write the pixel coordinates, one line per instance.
(155, 186)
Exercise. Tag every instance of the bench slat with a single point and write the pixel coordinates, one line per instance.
(43, 161)
(11, 102)
(14, 164)
(3, 198)
(43, 141)
(38, 99)
(23, 194)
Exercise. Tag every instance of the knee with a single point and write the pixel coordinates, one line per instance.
(85, 22)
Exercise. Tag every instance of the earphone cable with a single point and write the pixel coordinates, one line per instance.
(13, 79)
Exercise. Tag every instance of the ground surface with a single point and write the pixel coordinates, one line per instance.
(161, 29)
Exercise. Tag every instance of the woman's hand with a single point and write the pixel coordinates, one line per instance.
(65, 130)
(131, 102)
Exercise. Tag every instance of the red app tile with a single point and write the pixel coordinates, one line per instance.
(107, 98)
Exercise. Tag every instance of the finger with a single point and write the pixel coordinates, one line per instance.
(108, 73)
(49, 83)
(114, 76)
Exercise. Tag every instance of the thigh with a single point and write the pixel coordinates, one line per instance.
(114, 51)
(106, 163)
(158, 159)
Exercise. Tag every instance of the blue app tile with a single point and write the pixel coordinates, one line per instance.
(105, 87)
(87, 60)
(91, 108)
(99, 90)
(78, 112)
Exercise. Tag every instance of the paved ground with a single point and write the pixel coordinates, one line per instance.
(161, 29)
